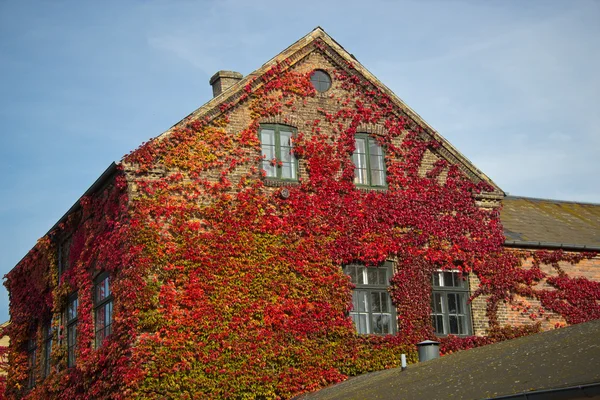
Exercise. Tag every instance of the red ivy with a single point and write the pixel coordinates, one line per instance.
(225, 289)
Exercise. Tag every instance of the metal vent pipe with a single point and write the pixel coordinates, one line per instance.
(428, 350)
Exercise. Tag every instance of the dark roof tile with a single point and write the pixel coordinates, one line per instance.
(551, 221)
(553, 360)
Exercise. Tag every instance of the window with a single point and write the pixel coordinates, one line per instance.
(279, 161)
(103, 308)
(320, 80)
(372, 309)
(64, 250)
(48, 335)
(71, 316)
(31, 360)
(369, 163)
(450, 313)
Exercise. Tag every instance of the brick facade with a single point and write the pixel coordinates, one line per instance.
(315, 52)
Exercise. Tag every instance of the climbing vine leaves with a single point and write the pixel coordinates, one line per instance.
(224, 288)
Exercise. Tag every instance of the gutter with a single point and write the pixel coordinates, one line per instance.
(101, 181)
(522, 244)
(95, 186)
(571, 392)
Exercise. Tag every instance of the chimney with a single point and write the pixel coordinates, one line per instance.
(223, 80)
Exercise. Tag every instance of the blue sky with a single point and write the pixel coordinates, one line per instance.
(513, 85)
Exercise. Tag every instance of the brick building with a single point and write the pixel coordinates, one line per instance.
(302, 226)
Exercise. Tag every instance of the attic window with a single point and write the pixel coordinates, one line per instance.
(320, 80)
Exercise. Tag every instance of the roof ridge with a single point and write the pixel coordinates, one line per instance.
(447, 150)
(551, 200)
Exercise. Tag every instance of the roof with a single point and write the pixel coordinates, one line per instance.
(530, 222)
(559, 361)
(98, 184)
(297, 52)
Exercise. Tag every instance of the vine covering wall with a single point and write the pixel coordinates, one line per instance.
(223, 288)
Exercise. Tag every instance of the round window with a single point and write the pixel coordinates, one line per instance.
(320, 80)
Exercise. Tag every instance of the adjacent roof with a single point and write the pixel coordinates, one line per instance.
(564, 363)
(530, 222)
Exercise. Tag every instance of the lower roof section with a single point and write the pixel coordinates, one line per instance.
(563, 363)
(530, 222)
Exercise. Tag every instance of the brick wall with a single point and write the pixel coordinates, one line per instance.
(527, 311)
(301, 117)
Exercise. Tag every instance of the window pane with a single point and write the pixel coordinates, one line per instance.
(72, 309)
(386, 323)
(436, 279)
(453, 324)
(286, 155)
(267, 137)
(269, 168)
(372, 276)
(360, 162)
(285, 139)
(376, 162)
(452, 303)
(71, 335)
(383, 278)
(31, 365)
(462, 324)
(361, 275)
(355, 320)
(375, 303)
(377, 178)
(102, 290)
(360, 170)
(440, 325)
(268, 153)
(437, 303)
(460, 302)
(363, 300)
(64, 254)
(363, 324)
(71, 343)
(361, 146)
(374, 147)
(47, 355)
(385, 307)
(287, 171)
(351, 271)
(448, 279)
(381, 324)
(360, 176)
(100, 317)
(109, 311)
